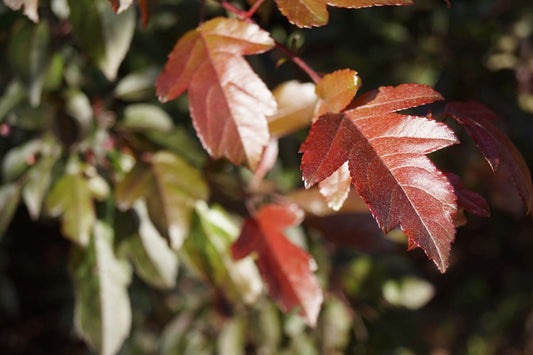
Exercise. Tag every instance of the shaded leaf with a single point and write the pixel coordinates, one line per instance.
(19, 158)
(208, 251)
(137, 86)
(495, 146)
(296, 103)
(170, 186)
(104, 35)
(308, 13)
(30, 7)
(9, 200)
(285, 268)
(13, 95)
(468, 200)
(71, 197)
(227, 100)
(102, 311)
(387, 163)
(152, 257)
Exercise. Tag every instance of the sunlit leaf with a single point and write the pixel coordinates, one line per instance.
(37, 183)
(102, 311)
(146, 117)
(227, 100)
(387, 163)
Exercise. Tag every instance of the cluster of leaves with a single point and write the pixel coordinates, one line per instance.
(128, 184)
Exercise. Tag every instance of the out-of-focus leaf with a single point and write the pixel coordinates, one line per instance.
(356, 230)
(143, 117)
(296, 106)
(231, 339)
(60, 8)
(38, 181)
(29, 56)
(468, 200)
(137, 86)
(285, 268)
(208, 250)
(267, 162)
(30, 7)
(17, 160)
(180, 141)
(335, 326)
(153, 259)
(336, 187)
(120, 5)
(104, 35)
(409, 292)
(171, 187)
(9, 200)
(79, 107)
(495, 146)
(13, 95)
(71, 197)
(183, 336)
(312, 202)
(102, 312)
(227, 100)
(147, 8)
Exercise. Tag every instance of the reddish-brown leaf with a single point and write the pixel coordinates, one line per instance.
(120, 5)
(285, 268)
(495, 146)
(308, 13)
(147, 8)
(468, 200)
(386, 152)
(227, 100)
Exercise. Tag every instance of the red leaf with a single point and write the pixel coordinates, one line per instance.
(495, 146)
(387, 163)
(120, 5)
(307, 13)
(147, 8)
(468, 200)
(285, 268)
(227, 100)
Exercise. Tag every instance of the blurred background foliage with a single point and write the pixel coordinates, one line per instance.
(81, 130)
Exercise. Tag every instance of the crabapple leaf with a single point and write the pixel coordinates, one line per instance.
(227, 100)
(386, 154)
(495, 146)
(468, 200)
(308, 13)
(285, 268)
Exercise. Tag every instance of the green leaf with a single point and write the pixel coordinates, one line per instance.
(105, 36)
(29, 56)
(171, 187)
(102, 313)
(137, 86)
(13, 95)
(71, 196)
(208, 251)
(38, 181)
(153, 259)
(143, 117)
(17, 160)
(9, 200)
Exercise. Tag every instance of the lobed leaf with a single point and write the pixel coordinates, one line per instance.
(468, 200)
(308, 13)
(386, 158)
(285, 268)
(495, 146)
(227, 100)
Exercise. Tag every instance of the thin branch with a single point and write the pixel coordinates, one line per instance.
(299, 62)
(254, 8)
(202, 12)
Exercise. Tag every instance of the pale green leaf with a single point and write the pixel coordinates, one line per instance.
(137, 86)
(208, 251)
(71, 197)
(17, 160)
(137, 183)
(152, 257)
(13, 95)
(38, 181)
(9, 200)
(102, 311)
(410, 292)
(79, 107)
(142, 117)
(117, 32)
(231, 339)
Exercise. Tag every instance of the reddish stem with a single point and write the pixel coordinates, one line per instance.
(202, 12)
(254, 8)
